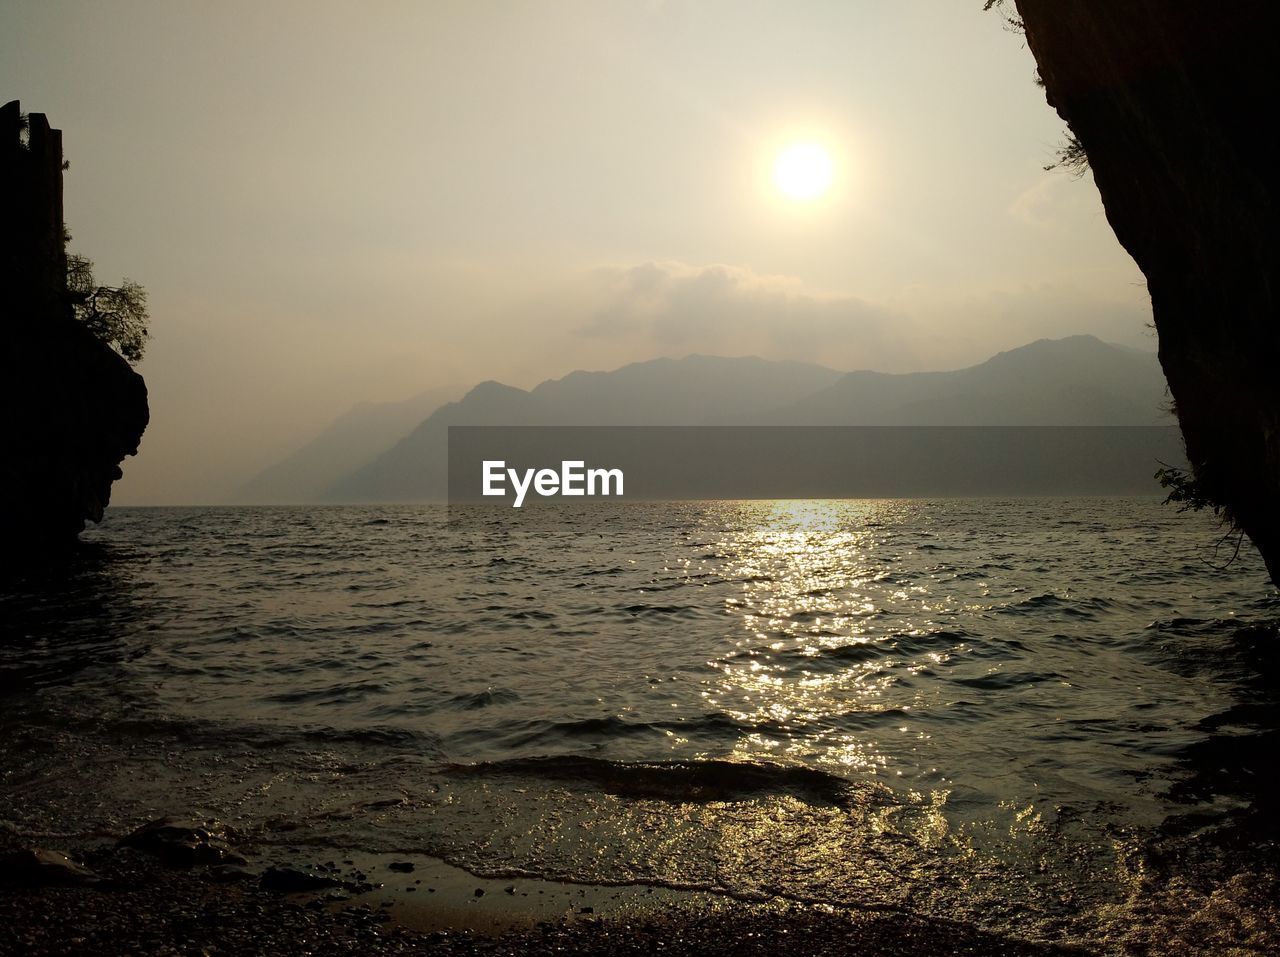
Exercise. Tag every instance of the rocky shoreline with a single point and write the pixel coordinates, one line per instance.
(174, 888)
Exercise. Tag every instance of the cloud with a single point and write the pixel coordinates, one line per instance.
(673, 308)
(606, 317)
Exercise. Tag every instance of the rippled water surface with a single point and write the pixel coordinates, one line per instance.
(1052, 717)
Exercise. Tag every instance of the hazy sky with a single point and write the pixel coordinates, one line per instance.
(332, 203)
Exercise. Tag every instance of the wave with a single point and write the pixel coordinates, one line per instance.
(699, 782)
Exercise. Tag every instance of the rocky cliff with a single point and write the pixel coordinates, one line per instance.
(71, 408)
(1172, 101)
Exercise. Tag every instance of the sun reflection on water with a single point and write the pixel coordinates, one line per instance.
(809, 671)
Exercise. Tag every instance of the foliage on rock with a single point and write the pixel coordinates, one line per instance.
(116, 315)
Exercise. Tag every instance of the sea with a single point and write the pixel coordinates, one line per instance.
(1057, 719)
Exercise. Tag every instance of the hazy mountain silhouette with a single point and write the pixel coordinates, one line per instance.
(1079, 380)
(358, 435)
(695, 390)
(1075, 381)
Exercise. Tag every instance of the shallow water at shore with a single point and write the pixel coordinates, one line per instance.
(1053, 719)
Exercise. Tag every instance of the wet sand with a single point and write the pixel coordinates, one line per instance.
(142, 907)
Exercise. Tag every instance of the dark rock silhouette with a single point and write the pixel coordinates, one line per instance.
(71, 408)
(1170, 102)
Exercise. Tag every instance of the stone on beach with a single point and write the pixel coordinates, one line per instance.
(44, 868)
(184, 843)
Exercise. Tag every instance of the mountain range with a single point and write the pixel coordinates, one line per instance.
(1079, 380)
(358, 435)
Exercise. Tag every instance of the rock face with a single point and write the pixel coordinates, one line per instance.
(71, 409)
(1172, 104)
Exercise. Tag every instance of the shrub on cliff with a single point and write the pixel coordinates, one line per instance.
(117, 315)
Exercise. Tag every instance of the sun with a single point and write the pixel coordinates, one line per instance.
(803, 171)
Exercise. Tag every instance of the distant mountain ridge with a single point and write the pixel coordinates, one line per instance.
(358, 435)
(1079, 380)
(695, 390)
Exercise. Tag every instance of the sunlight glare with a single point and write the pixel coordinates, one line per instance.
(803, 171)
